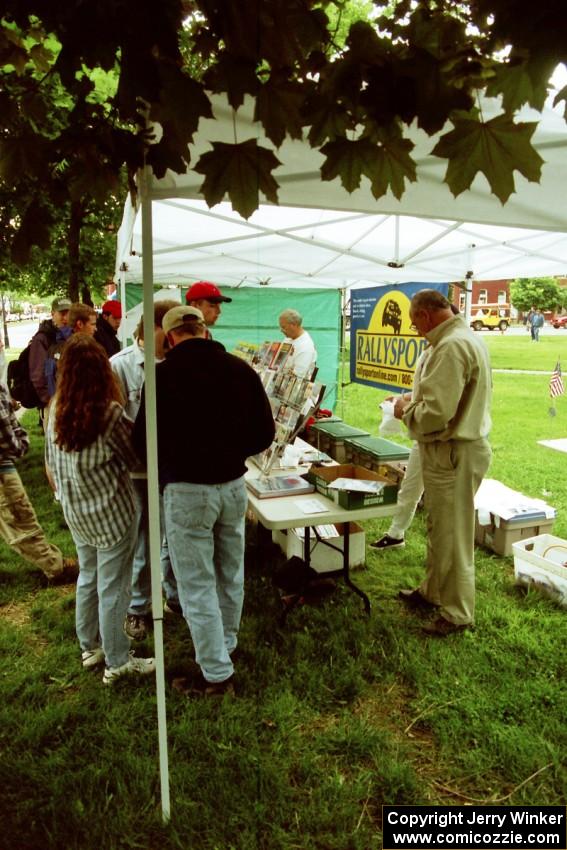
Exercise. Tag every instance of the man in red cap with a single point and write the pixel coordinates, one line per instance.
(107, 327)
(207, 298)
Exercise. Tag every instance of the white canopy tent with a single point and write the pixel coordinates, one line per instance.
(361, 242)
(322, 236)
(297, 246)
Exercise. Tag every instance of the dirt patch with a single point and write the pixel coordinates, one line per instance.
(17, 613)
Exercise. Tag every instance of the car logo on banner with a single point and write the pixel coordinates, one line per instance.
(384, 347)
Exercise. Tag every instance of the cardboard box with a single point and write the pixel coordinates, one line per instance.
(324, 559)
(542, 562)
(322, 476)
(500, 536)
(394, 471)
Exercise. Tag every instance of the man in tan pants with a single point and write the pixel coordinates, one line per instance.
(18, 522)
(449, 417)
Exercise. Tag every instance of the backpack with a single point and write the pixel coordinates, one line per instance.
(19, 382)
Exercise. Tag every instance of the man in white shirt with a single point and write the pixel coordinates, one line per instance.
(303, 357)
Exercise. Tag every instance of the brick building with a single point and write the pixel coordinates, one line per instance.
(494, 294)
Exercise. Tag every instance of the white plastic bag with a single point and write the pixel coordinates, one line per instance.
(389, 423)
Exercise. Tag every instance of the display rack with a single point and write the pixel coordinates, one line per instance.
(293, 398)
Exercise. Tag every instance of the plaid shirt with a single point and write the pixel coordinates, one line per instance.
(14, 440)
(93, 484)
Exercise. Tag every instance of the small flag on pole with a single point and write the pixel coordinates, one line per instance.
(556, 387)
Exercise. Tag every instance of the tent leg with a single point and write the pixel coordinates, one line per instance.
(153, 486)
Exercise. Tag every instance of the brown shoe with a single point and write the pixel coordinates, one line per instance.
(414, 599)
(197, 686)
(201, 688)
(442, 627)
(68, 574)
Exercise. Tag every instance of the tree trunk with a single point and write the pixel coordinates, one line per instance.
(77, 214)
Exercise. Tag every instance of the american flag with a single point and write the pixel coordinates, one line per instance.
(556, 382)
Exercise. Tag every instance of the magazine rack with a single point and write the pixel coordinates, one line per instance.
(293, 398)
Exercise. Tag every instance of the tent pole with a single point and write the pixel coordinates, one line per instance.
(153, 487)
(342, 349)
(122, 296)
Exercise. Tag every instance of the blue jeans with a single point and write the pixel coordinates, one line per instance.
(168, 580)
(103, 591)
(204, 525)
(141, 599)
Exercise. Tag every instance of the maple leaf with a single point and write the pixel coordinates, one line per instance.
(236, 77)
(561, 95)
(41, 58)
(392, 165)
(183, 103)
(328, 120)
(496, 148)
(164, 155)
(385, 161)
(346, 159)
(278, 109)
(521, 82)
(241, 171)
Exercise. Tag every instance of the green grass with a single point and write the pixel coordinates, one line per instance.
(519, 352)
(336, 713)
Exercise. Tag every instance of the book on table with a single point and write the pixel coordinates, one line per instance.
(273, 486)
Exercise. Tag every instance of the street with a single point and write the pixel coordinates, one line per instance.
(20, 333)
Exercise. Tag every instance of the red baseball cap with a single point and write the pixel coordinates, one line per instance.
(205, 291)
(114, 308)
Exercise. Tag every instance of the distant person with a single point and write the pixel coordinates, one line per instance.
(449, 416)
(536, 324)
(19, 527)
(107, 325)
(303, 357)
(80, 319)
(89, 453)
(201, 470)
(49, 334)
(207, 298)
(528, 318)
(128, 366)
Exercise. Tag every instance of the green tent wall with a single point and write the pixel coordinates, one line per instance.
(253, 317)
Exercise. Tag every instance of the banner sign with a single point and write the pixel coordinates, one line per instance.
(384, 349)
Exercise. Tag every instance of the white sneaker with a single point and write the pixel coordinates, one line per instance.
(142, 666)
(92, 657)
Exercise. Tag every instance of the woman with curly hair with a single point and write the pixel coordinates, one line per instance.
(89, 454)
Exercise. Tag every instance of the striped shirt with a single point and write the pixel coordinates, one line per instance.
(93, 484)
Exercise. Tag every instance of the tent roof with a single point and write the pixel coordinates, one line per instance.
(321, 235)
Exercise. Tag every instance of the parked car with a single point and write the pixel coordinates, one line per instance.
(489, 318)
(560, 322)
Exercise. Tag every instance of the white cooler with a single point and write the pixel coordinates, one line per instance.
(542, 562)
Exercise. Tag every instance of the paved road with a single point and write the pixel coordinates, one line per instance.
(20, 333)
(547, 330)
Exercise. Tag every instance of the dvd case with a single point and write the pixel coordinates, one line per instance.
(273, 486)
